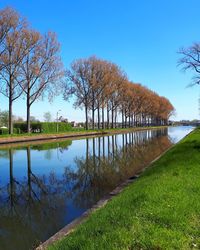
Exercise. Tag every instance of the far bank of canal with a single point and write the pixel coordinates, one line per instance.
(44, 187)
(76, 133)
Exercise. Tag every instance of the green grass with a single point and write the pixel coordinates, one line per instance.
(161, 210)
(36, 134)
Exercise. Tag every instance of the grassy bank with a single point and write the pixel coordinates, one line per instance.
(78, 130)
(161, 210)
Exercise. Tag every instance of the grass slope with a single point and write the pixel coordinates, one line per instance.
(161, 210)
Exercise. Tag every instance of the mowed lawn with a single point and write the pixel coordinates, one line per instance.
(160, 210)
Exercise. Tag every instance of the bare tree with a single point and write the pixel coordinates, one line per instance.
(114, 93)
(191, 60)
(77, 84)
(98, 80)
(29, 63)
(41, 70)
(47, 117)
(13, 50)
(9, 19)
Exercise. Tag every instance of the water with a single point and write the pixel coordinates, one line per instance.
(44, 186)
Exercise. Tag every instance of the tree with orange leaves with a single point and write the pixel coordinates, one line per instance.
(102, 85)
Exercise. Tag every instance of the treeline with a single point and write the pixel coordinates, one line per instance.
(31, 66)
(102, 88)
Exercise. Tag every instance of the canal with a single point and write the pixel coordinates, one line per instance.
(44, 186)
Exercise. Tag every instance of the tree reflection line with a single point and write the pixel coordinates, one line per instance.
(108, 161)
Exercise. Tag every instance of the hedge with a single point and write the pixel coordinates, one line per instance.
(5, 131)
(44, 127)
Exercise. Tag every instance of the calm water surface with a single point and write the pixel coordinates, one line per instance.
(44, 186)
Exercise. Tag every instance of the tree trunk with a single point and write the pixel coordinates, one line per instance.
(108, 120)
(28, 106)
(115, 117)
(93, 112)
(122, 118)
(28, 123)
(10, 115)
(86, 117)
(103, 125)
(132, 124)
(92, 118)
(112, 125)
(98, 111)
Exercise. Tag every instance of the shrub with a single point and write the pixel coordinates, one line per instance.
(35, 126)
(51, 127)
(44, 127)
(4, 131)
(21, 126)
(17, 131)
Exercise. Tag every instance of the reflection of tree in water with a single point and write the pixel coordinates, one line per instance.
(49, 148)
(96, 175)
(35, 208)
(31, 209)
(4, 154)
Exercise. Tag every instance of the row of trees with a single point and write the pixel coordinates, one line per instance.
(102, 88)
(30, 66)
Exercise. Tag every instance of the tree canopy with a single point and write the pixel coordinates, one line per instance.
(99, 85)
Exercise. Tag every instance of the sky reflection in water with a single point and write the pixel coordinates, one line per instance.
(45, 186)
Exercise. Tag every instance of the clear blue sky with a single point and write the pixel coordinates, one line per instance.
(143, 37)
